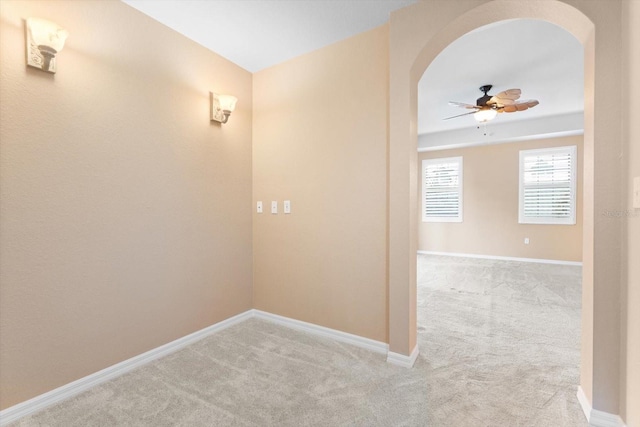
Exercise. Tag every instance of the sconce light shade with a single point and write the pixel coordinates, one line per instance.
(44, 40)
(227, 102)
(222, 106)
(485, 115)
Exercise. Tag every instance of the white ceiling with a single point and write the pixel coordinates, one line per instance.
(257, 34)
(543, 60)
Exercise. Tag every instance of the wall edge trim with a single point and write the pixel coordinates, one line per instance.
(597, 418)
(345, 337)
(503, 258)
(37, 403)
(403, 360)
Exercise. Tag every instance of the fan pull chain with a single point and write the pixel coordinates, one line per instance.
(484, 128)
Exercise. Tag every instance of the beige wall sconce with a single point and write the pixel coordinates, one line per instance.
(44, 40)
(221, 106)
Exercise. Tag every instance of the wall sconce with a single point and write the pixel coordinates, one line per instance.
(44, 40)
(221, 106)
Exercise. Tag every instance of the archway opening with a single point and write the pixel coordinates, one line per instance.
(498, 293)
(417, 38)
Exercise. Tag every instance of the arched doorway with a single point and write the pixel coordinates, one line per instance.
(466, 317)
(417, 35)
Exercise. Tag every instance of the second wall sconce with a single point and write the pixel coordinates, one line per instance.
(44, 40)
(221, 106)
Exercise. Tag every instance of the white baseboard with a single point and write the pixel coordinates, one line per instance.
(597, 418)
(49, 398)
(503, 258)
(402, 360)
(66, 391)
(584, 403)
(356, 340)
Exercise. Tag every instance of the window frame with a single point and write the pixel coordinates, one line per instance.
(425, 163)
(571, 219)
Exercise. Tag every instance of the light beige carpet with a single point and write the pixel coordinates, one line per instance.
(501, 341)
(499, 346)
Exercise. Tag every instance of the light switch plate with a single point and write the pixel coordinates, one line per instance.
(259, 207)
(287, 206)
(274, 207)
(636, 192)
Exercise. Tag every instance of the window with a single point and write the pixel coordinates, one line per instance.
(442, 190)
(548, 186)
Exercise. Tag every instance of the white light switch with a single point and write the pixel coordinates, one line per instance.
(526, 240)
(636, 192)
(274, 207)
(259, 207)
(287, 206)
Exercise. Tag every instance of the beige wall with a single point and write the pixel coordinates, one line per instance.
(490, 207)
(630, 375)
(125, 214)
(320, 140)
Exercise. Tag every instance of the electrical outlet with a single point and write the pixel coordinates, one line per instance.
(274, 207)
(259, 207)
(286, 206)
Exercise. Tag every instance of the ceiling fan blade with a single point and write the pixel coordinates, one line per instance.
(509, 94)
(530, 103)
(519, 106)
(506, 97)
(463, 105)
(460, 115)
(500, 101)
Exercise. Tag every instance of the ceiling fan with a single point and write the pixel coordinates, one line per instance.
(488, 106)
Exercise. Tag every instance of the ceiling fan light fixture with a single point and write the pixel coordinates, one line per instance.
(482, 116)
(487, 107)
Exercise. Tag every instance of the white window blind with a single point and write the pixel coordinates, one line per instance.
(442, 190)
(548, 186)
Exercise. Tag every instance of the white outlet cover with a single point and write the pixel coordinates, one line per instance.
(274, 207)
(287, 206)
(259, 207)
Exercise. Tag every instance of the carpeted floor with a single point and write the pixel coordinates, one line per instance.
(501, 341)
(499, 346)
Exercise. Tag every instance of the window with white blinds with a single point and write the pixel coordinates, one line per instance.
(548, 186)
(442, 190)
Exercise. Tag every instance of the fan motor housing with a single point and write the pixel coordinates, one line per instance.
(482, 101)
